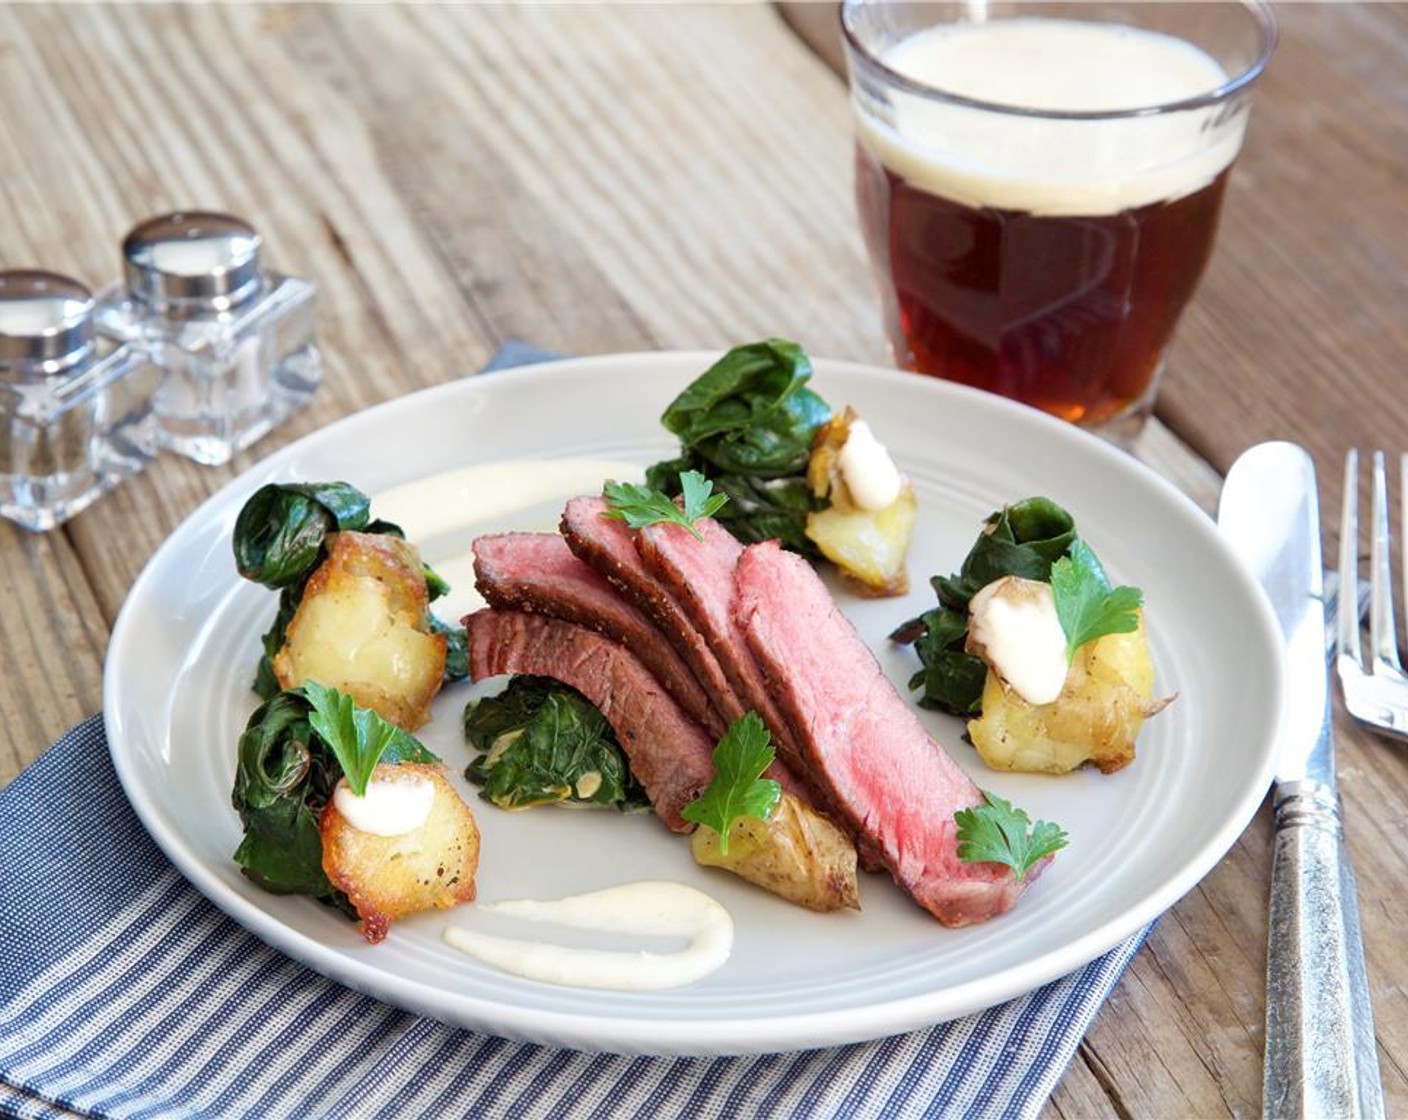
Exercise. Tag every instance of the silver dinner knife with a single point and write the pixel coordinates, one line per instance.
(1321, 1059)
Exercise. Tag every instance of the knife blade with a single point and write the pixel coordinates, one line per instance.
(1320, 1057)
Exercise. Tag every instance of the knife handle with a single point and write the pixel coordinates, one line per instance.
(1321, 1058)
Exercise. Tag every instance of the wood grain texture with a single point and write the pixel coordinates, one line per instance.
(599, 178)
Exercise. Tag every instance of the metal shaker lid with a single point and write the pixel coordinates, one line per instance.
(194, 260)
(46, 323)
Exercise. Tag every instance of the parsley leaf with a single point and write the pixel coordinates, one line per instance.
(737, 790)
(639, 506)
(358, 737)
(1086, 604)
(997, 832)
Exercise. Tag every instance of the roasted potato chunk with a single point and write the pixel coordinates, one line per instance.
(1096, 719)
(868, 546)
(363, 627)
(431, 867)
(796, 853)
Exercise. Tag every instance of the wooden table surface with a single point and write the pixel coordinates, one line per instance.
(598, 178)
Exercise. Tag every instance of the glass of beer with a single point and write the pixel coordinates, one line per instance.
(1039, 185)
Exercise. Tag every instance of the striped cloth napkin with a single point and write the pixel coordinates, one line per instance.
(124, 993)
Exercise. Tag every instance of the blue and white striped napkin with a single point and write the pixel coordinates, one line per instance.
(124, 993)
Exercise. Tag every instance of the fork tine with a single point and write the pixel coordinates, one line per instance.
(1383, 638)
(1347, 608)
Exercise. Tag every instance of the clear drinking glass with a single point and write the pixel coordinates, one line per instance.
(1039, 185)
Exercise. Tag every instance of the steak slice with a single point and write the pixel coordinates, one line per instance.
(537, 572)
(607, 545)
(669, 754)
(896, 786)
(699, 576)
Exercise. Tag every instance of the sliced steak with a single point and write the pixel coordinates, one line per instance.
(537, 572)
(668, 753)
(610, 547)
(862, 740)
(698, 575)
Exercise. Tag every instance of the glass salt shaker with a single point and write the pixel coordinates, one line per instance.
(75, 410)
(236, 341)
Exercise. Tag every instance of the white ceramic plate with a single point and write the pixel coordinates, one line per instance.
(182, 654)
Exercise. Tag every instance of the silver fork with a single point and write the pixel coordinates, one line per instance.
(1375, 692)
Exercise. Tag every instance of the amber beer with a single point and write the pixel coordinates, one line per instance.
(1029, 232)
(1069, 313)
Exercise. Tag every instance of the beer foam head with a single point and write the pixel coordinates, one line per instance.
(1051, 164)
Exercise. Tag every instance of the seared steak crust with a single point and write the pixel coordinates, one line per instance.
(700, 576)
(617, 553)
(669, 754)
(538, 573)
(862, 741)
(607, 545)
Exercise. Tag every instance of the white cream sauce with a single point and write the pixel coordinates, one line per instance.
(1014, 621)
(871, 477)
(453, 500)
(643, 909)
(390, 806)
(493, 495)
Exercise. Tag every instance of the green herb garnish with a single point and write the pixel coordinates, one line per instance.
(738, 788)
(639, 506)
(998, 832)
(285, 773)
(1086, 604)
(358, 737)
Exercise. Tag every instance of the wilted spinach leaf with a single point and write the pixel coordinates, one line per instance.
(1023, 539)
(282, 781)
(279, 540)
(285, 773)
(747, 424)
(266, 684)
(279, 533)
(456, 649)
(541, 742)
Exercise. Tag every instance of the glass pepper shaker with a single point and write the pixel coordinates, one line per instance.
(236, 341)
(75, 410)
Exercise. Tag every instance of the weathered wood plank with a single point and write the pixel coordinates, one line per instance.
(597, 179)
(52, 639)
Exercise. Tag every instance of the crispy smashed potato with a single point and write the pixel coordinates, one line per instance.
(363, 626)
(867, 546)
(389, 877)
(1096, 719)
(795, 853)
